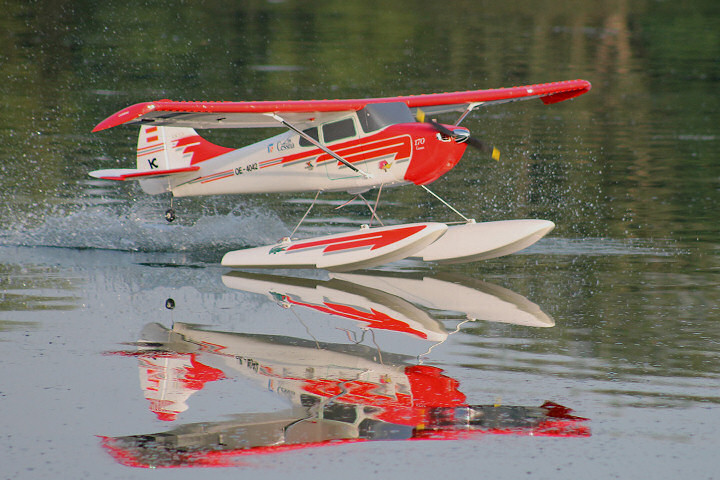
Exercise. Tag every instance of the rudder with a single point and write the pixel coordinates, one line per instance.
(168, 148)
(157, 148)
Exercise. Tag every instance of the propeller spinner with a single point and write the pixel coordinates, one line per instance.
(460, 135)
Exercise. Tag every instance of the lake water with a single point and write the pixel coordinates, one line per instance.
(594, 353)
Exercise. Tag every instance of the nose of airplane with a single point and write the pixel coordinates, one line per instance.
(461, 135)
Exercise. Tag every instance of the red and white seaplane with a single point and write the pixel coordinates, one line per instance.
(331, 145)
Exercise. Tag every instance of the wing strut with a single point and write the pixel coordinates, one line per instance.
(319, 145)
(469, 109)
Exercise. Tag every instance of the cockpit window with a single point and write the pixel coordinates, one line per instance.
(338, 130)
(311, 132)
(378, 115)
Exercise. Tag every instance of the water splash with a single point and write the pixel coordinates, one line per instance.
(602, 247)
(136, 229)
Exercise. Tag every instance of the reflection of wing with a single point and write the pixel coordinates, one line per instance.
(304, 113)
(230, 442)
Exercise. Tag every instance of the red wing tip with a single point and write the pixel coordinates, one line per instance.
(125, 115)
(582, 85)
(575, 89)
(564, 90)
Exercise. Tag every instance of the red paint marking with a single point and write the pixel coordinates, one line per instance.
(151, 130)
(373, 318)
(150, 147)
(554, 92)
(370, 151)
(368, 148)
(354, 151)
(154, 138)
(375, 239)
(200, 148)
(431, 388)
(149, 152)
(435, 159)
(218, 178)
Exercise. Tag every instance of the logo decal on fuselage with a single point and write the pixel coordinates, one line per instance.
(278, 249)
(286, 144)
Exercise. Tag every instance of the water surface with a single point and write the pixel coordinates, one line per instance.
(614, 315)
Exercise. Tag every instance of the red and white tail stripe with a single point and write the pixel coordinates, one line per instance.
(169, 148)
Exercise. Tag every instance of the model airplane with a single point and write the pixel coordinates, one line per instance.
(331, 145)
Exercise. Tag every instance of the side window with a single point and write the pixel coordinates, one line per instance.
(311, 132)
(338, 130)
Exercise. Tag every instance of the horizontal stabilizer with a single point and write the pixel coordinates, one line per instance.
(122, 174)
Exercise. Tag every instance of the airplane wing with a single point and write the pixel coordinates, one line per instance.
(306, 113)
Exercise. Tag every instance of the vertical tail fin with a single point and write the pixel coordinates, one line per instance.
(156, 149)
(167, 148)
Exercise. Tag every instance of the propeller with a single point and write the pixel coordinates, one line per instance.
(460, 136)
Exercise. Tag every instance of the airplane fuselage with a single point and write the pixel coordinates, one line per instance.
(396, 155)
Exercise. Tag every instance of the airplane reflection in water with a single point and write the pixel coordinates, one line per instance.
(395, 303)
(338, 392)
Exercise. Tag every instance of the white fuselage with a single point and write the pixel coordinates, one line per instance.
(280, 164)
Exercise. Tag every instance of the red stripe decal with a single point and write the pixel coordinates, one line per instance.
(151, 130)
(149, 152)
(157, 145)
(200, 148)
(373, 318)
(354, 151)
(224, 175)
(152, 139)
(374, 239)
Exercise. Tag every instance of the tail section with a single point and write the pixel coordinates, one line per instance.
(163, 153)
(172, 149)
(151, 149)
(168, 148)
(157, 152)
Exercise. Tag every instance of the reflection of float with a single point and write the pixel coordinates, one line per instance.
(338, 393)
(370, 307)
(475, 299)
(395, 303)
